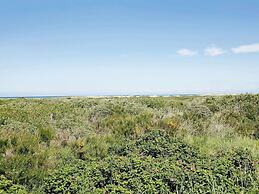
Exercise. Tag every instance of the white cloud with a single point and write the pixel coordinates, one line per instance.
(250, 48)
(214, 51)
(186, 52)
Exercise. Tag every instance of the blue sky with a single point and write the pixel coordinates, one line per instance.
(96, 47)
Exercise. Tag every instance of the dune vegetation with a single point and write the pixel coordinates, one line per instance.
(189, 144)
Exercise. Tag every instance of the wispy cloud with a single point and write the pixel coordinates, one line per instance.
(214, 51)
(186, 52)
(250, 48)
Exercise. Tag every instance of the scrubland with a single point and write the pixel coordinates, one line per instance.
(194, 144)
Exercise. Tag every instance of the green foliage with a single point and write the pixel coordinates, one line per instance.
(46, 134)
(3, 145)
(188, 144)
(128, 125)
(154, 103)
(157, 163)
(7, 186)
(67, 180)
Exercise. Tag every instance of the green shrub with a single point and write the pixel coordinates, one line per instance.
(46, 134)
(3, 145)
(7, 186)
(158, 163)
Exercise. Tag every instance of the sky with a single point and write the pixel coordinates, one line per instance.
(125, 47)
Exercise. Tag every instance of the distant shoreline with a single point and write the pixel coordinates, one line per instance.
(136, 95)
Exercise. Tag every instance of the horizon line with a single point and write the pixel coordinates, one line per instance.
(132, 95)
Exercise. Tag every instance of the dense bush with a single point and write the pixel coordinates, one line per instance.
(7, 186)
(157, 163)
(188, 144)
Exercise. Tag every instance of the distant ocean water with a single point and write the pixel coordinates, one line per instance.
(110, 95)
(12, 97)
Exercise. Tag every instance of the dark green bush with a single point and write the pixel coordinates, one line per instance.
(158, 163)
(8, 187)
(46, 134)
(3, 145)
